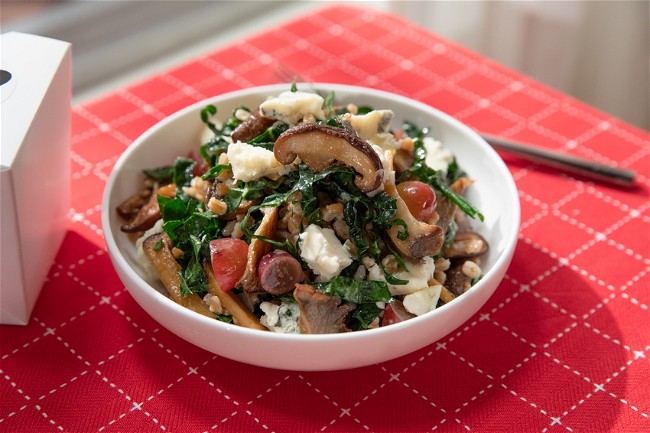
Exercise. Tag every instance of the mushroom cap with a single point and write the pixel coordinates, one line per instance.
(423, 239)
(319, 146)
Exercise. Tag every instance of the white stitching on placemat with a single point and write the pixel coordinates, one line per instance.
(586, 324)
(223, 420)
(48, 418)
(60, 340)
(184, 88)
(269, 389)
(101, 125)
(76, 217)
(225, 72)
(235, 402)
(140, 104)
(14, 385)
(344, 411)
(23, 346)
(89, 257)
(555, 420)
(91, 168)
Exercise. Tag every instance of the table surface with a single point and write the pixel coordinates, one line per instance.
(561, 346)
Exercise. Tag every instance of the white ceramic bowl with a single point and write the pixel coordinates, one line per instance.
(494, 193)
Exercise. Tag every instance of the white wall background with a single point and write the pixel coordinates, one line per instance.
(596, 51)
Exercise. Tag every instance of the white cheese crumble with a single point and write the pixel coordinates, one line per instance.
(292, 107)
(369, 124)
(385, 140)
(422, 301)
(418, 275)
(373, 128)
(323, 252)
(281, 318)
(438, 157)
(253, 162)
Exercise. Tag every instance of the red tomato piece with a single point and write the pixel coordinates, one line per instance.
(419, 198)
(395, 313)
(390, 316)
(229, 256)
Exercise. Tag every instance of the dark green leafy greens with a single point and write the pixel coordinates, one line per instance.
(267, 138)
(191, 226)
(357, 291)
(365, 216)
(365, 293)
(217, 144)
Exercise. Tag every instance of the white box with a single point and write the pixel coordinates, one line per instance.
(35, 94)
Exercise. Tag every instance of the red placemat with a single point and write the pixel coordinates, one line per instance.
(562, 345)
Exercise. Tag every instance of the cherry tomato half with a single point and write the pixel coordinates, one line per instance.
(228, 256)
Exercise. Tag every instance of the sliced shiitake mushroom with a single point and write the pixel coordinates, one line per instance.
(457, 282)
(129, 208)
(241, 314)
(157, 248)
(319, 146)
(257, 249)
(149, 213)
(445, 208)
(423, 239)
(254, 125)
(403, 160)
(320, 313)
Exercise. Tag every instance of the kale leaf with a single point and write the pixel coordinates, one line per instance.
(363, 316)
(191, 230)
(360, 292)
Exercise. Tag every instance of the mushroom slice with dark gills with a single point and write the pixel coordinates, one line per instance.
(257, 249)
(254, 125)
(157, 248)
(129, 208)
(320, 313)
(445, 208)
(422, 239)
(319, 146)
(148, 214)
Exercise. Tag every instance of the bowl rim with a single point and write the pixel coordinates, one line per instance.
(500, 264)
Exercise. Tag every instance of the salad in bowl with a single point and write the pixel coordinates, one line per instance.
(305, 216)
(310, 226)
